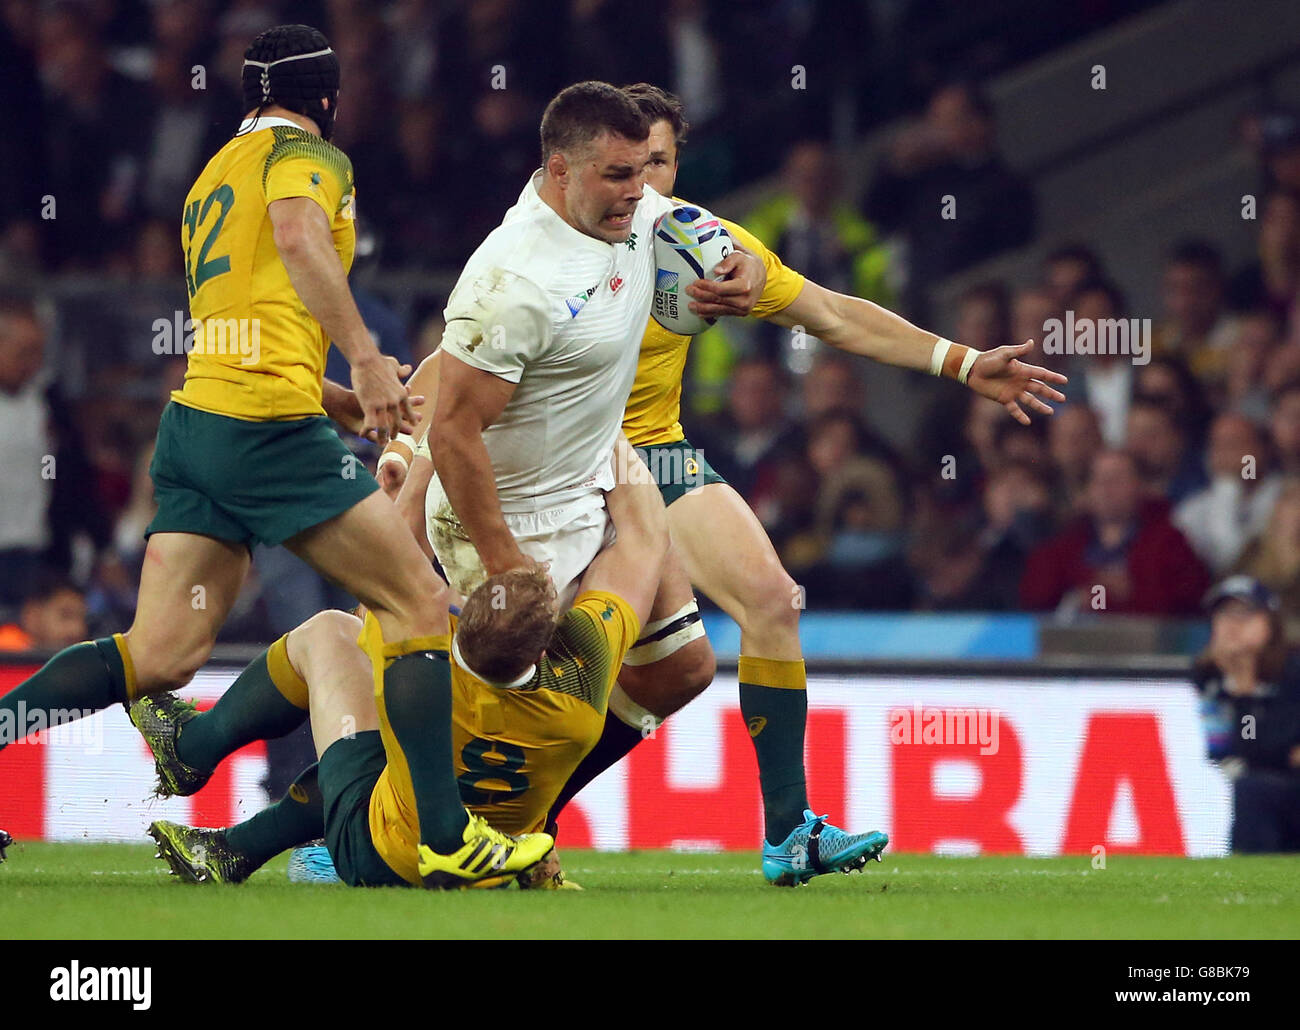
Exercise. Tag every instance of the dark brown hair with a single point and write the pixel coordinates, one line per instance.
(658, 105)
(507, 622)
(582, 112)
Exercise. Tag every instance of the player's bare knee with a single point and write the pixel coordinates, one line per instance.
(323, 639)
(773, 605)
(416, 605)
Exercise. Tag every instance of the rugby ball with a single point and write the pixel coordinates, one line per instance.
(688, 242)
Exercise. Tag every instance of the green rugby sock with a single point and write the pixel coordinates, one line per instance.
(78, 681)
(297, 818)
(417, 702)
(256, 706)
(774, 702)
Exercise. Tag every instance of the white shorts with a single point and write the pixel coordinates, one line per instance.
(567, 538)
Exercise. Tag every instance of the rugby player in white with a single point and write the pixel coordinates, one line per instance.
(541, 345)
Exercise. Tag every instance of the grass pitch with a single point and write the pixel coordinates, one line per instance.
(90, 891)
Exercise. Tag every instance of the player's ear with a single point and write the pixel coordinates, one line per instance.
(558, 168)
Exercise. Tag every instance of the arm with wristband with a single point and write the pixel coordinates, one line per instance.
(397, 457)
(860, 327)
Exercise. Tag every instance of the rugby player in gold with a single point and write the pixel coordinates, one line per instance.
(529, 698)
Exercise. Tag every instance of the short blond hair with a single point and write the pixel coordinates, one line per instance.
(507, 622)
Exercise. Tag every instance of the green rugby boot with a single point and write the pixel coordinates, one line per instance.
(159, 718)
(199, 855)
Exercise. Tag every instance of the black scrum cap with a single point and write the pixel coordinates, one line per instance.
(290, 65)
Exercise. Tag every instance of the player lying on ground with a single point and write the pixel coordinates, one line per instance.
(515, 744)
(723, 546)
(245, 453)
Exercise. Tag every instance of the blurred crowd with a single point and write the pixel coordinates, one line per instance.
(1168, 468)
(113, 106)
(1156, 478)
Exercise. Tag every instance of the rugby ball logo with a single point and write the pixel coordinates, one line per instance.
(688, 243)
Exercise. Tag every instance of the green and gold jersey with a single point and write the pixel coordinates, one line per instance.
(653, 414)
(258, 354)
(515, 749)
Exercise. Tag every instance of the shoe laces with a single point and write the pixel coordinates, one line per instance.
(483, 828)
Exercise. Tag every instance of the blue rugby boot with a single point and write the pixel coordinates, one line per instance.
(311, 863)
(815, 847)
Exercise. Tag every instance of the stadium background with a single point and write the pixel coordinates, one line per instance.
(1118, 159)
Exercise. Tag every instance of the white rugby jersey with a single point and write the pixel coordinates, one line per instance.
(561, 314)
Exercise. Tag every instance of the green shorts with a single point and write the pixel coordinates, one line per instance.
(678, 468)
(347, 774)
(250, 482)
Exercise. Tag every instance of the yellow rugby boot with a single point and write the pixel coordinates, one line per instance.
(487, 854)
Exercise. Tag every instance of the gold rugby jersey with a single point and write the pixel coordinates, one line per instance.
(514, 749)
(653, 414)
(258, 354)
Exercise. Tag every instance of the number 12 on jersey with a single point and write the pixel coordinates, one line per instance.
(196, 214)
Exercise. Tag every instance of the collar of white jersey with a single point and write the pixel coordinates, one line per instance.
(530, 200)
(265, 121)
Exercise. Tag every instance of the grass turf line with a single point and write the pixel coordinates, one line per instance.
(91, 891)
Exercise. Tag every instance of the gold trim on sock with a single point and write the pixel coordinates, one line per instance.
(128, 667)
(371, 641)
(772, 672)
(285, 676)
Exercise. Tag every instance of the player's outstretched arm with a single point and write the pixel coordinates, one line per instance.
(631, 566)
(860, 327)
(306, 246)
(469, 400)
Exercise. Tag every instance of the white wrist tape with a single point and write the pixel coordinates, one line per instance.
(937, 356)
(406, 441)
(964, 372)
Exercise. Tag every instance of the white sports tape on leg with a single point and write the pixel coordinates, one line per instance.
(630, 713)
(650, 649)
